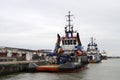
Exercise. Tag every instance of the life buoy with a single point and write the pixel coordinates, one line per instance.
(79, 53)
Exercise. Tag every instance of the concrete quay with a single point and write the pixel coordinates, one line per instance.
(16, 66)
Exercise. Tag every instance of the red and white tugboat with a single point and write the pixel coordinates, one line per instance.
(68, 51)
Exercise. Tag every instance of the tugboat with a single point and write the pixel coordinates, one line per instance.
(94, 55)
(68, 54)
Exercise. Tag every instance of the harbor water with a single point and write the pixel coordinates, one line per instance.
(106, 70)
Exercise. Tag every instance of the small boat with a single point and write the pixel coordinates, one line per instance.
(68, 54)
(94, 55)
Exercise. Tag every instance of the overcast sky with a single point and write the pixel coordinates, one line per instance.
(34, 24)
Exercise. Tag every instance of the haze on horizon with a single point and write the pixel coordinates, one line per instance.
(34, 24)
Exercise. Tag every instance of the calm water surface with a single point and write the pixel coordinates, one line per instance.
(106, 70)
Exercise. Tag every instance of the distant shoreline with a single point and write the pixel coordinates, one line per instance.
(113, 57)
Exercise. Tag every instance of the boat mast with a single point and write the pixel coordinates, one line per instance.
(69, 31)
(92, 41)
(69, 21)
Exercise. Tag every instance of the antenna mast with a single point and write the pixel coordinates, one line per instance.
(69, 27)
(69, 21)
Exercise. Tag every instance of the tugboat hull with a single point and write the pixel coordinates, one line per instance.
(97, 59)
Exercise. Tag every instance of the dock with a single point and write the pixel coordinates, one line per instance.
(16, 66)
(14, 60)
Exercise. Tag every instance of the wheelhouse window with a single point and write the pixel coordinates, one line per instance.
(66, 42)
(69, 42)
(63, 42)
(74, 42)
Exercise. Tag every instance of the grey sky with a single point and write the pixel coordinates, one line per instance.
(34, 24)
